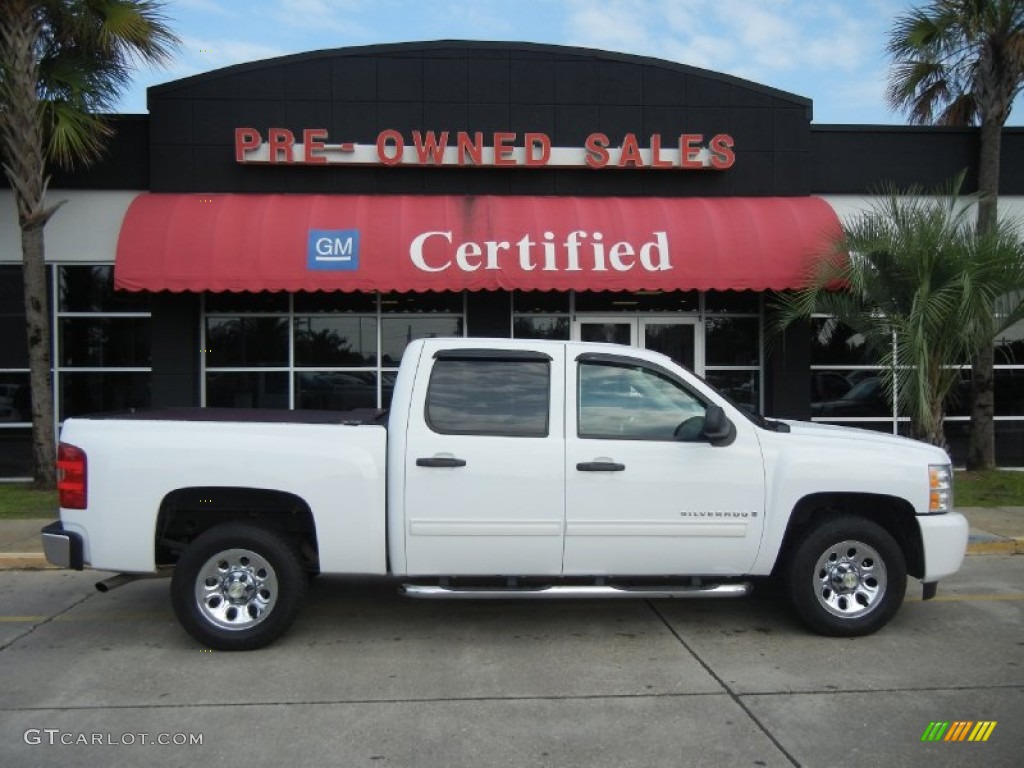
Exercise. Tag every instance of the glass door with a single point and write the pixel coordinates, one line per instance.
(614, 330)
(675, 337)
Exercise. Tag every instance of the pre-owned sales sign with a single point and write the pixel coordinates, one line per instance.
(500, 149)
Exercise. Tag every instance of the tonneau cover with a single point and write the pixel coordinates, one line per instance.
(355, 417)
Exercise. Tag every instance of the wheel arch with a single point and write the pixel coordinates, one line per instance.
(186, 513)
(892, 513)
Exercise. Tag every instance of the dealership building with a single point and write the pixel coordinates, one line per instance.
(273, 234)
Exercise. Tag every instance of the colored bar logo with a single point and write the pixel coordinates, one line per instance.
(959, 730)
(335, 249)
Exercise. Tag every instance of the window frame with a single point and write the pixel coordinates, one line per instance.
(293, 368)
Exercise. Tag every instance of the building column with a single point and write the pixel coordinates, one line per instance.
(175, 349)
(788, 371)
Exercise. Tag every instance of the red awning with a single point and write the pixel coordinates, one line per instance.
(238, 242)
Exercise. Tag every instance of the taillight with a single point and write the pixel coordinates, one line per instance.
(71, 487)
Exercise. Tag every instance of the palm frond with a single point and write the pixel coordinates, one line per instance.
(920, 285)
(84, 52)
(954, 62)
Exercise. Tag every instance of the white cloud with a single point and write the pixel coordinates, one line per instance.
(202, 55)
(618, 25)
(748, 36)
(204, 6)
(849, 100)
(471, 21)
(321, 15)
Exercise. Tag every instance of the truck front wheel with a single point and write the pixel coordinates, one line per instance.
(847, 577)
(237, 587)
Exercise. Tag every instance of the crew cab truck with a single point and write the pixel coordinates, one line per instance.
(506, 469)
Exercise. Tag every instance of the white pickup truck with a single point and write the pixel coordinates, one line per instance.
(506, 469)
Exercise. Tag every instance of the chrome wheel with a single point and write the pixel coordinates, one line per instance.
(850, 579)
(236, 589)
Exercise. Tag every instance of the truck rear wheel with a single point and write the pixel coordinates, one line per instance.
(237, 587)
(847, 577)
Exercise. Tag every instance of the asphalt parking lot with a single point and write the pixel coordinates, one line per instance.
(367, 678)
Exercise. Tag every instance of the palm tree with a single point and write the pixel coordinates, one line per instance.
(913, 277)
(62, 64)
(961, 62)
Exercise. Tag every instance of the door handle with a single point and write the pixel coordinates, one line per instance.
(440, 461)
(600, 466)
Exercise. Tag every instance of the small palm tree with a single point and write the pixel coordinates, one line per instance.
(912, 276)
(62, 64)
(961, 62)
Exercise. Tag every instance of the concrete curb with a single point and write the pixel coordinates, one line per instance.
(996, 545)
(24, 561)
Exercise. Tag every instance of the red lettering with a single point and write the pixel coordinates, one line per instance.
(534, 142)
(630, 153)
(722, 155)
(471, 148)
(281, 141)
(503, 147)
(657, 161)
(596, 147)
(428, 148)
(313, 140)
(392, 138)
(689, 150)
(246, 139)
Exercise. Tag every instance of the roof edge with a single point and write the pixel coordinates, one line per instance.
(469, 45)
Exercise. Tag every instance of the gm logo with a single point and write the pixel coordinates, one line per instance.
(333, 249)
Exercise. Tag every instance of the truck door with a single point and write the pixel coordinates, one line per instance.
(485, 464)
(645, 495)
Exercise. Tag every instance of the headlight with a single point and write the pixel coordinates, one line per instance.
(940, 488)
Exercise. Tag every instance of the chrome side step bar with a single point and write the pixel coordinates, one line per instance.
(573, 592)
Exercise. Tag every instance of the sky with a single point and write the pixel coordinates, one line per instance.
(830, 51)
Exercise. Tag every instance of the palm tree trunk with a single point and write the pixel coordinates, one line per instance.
(25, 169)
(981, 448)
(37, 322)
(981, 451)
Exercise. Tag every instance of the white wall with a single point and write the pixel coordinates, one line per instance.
(84, 229)
(848, 207)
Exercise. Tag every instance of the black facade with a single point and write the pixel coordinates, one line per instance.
(566, 93)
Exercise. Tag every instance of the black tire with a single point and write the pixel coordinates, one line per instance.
(846, 577)
(238, 587)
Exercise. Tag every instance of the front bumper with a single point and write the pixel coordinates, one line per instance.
(63, 548)
(944, 538)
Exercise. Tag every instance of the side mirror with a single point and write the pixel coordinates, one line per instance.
(717, 428)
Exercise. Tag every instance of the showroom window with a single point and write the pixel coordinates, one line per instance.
(100, 353)
(846, 379)
(15, 398)
(101, 342)
(733, 346)
(323, 351)
(847, 387)
(541, 315)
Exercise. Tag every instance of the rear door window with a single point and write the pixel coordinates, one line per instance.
(489, 397)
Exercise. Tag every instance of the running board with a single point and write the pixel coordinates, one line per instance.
(573, 592)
